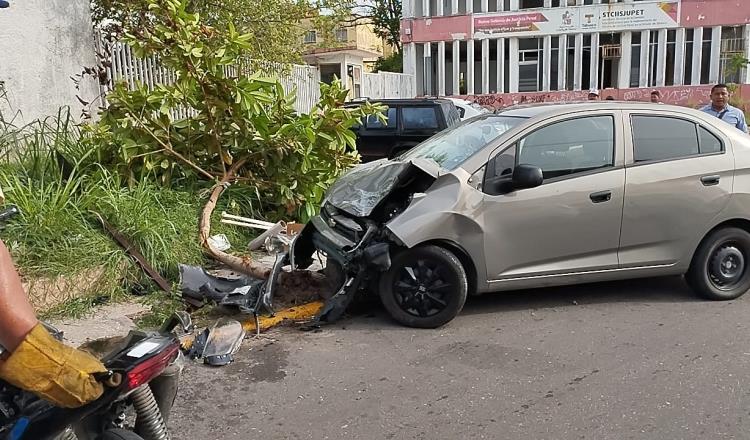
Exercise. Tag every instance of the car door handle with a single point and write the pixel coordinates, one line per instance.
(710, 180)
(601, 196)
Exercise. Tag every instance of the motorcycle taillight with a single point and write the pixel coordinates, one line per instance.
(152, 367)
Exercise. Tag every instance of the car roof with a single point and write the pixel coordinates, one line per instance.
(402, 101)
(549, 109)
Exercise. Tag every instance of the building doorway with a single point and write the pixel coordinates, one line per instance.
(610, 53)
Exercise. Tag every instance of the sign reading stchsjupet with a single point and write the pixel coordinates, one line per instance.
(580, 19)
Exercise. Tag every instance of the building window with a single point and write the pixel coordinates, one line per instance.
(669, 78)
(311, 37)
(529, 64)
(554, 61)
(653, 57)
(571, 61)
(342, 35)
(733, 49)
(689, 35)
(706, 56)
(635, 60)
(531, 4)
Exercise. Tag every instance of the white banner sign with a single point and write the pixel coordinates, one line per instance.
(580, 19)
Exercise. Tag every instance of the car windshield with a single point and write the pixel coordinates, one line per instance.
(452, 147)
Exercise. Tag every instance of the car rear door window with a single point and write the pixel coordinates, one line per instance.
(570, 147)
(662, 138)
(709, 143)
(419, 118)
(373, 123)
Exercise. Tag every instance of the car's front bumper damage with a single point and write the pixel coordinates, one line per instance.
(352, 257)
(351, 229)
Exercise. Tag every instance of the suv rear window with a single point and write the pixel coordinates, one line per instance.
(419, 118)
(373, 122)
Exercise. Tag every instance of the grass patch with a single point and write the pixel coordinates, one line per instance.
(53, 177)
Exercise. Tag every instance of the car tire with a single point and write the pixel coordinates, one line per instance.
(425, 287)
(720, 269)
(120, 434)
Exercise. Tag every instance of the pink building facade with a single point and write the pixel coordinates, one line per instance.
(501, 52)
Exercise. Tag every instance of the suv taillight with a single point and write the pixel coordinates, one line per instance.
(149, 369)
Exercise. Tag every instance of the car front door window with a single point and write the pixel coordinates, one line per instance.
(559, 150)
(570, 147)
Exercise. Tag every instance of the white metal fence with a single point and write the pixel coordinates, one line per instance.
(305, 80)
(387, 85)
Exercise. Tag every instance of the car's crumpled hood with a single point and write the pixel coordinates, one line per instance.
(360, 190)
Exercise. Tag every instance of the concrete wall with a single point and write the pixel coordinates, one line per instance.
(42, 44)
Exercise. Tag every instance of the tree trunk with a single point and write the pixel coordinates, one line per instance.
(240, 264)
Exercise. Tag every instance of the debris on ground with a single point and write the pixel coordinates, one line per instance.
(198, 287)
(299, 295)
(218, 343)
(220, 242)
(300, 313)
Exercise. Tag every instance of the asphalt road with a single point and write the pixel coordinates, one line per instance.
(641, 360)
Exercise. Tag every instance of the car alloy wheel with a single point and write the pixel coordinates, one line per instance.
(425, 287)
(422, 289)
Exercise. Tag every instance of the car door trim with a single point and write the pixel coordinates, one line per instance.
(584, 272)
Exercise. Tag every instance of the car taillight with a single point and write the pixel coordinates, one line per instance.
(149, 369)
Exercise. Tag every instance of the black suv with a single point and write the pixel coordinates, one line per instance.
(410, 121)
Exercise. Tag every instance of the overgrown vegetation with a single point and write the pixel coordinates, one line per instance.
(242, 129)
(157, 178)
(46, 169)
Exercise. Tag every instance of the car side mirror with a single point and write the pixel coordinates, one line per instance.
(527, 176)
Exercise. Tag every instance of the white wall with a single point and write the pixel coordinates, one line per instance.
(42, 44)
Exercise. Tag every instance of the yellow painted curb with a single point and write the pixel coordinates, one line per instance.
(292, 314)
(297, 313)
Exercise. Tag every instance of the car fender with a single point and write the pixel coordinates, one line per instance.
(446, 212)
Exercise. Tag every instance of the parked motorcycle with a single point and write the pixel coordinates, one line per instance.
(142, 380)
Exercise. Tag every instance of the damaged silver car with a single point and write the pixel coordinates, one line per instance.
(539, 196)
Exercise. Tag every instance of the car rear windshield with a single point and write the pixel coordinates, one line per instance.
(453, 146)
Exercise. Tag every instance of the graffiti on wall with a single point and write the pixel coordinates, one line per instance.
(690, 96)
(502, 100)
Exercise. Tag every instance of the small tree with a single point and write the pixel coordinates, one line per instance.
(273, 27)
(241, 129)
(385, 16)
(392, 63)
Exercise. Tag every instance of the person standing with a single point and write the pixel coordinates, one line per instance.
(656, 97)
(720, 108)
(593, 95)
